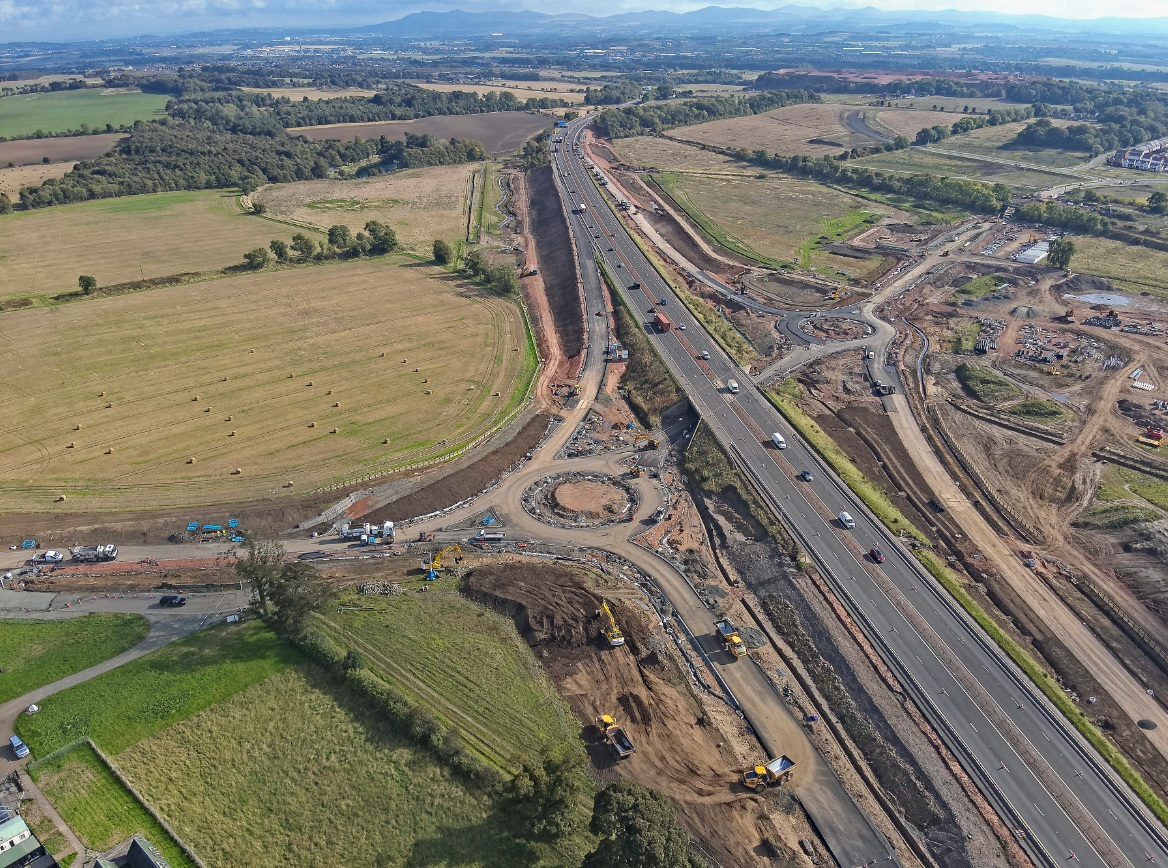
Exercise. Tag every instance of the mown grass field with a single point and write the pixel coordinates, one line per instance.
(101, 811)
(464, 662)
(235, 372)
(670, 156)
(992, 141)
(420, 204)
(916, 160)
(781, 219)
(1135, 269)
(145, 696)
(43, 252)
(25, 113)
(985, 385)
(337, 786)
(520, 90)
(36, 653)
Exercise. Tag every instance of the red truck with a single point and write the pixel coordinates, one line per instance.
(663, 322)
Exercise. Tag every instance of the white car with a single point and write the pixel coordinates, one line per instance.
(52, 557)
(682, 326)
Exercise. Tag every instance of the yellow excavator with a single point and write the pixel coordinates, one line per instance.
(650, 442)
(434, 567)
(636, 471)
(609, 630)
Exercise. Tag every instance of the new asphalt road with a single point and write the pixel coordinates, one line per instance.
(1063, 801)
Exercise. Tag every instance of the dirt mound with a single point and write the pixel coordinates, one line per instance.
(590, 499)
(460, 483)
(549, 604)
(553, 244)
(1084, 283)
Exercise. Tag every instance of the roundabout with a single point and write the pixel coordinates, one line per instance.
(581, 500)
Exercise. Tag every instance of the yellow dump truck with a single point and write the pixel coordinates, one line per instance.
(772, 774)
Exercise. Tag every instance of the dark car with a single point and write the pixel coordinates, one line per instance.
(877, 555)
(805, 475)
(172, 601)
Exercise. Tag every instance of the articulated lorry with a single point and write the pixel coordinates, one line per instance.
(95, 554)
(618, 741)
(728, 633)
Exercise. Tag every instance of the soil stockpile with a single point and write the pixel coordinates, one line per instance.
(553, 245)
(459, 484)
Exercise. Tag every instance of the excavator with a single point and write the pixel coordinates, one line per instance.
(636, 471)
(650, 442)
(434, 567)
(610, 631)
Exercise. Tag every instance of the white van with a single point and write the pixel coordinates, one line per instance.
(846, 520)
(778, 440)
(732, 385)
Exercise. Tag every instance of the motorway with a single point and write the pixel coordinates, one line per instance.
(1048, 784)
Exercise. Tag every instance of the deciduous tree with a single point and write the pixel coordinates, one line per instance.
(87, 283)
(279, 248)
(1061, 252)
(637, 828)
(257, 258)
(443, 252)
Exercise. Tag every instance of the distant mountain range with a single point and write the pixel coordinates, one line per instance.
(457, 24)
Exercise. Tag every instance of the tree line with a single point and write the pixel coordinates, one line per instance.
(377, 240)
(1063, 217)
(164, 156)
(653, 118)
(992, 118)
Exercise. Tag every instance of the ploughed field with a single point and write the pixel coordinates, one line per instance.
(234, 372)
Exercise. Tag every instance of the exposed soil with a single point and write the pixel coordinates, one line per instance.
(499, 132)
(590, 499)
(680, 751)
(62, 149)
(682, 240)
(460, 483)
(553, 244)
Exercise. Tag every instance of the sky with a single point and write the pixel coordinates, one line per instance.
(69, 20)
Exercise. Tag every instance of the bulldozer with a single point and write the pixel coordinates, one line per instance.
(772, 774)
(608, 629)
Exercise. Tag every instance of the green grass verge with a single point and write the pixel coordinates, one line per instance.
(1045, 683)
(97, 807)
(984, 384)
(828, 449)
(340, 782)
(650, 386)
(979, 286)
(463, 662)
(24, 114)
(872, 494)
(36, 653)
(1040, 410)
(1116, 515)
(147, 695)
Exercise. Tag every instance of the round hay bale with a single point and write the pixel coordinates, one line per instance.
(109, 451)
(385, 442)
(101, 394)
(232, 434)
(250, 352)
(230, 418)
(312, 382)
(311, 424)
(336, 430)
(61, 499)
(470, 388)
(237, 471)
(109, 406)
(417, 370)
(336, 403)
(195, 398)
(73, 445)
(429, 391)
(190, 461)
(78, 427)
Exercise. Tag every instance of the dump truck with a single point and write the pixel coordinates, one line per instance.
(95, 554)
(663, 322)
(730, 638)
(772, 774)
(619, 744)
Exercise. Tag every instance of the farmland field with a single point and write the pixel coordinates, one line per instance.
(420, 204)
(780, 218)
(908, 122)
(522, 91)
(296, 94)
(36, 652)
(671, 156)
(239, 797)
(42, 252)
(919, 160)
(462, 661)
(813, 129)
(15, 177)
(1135, 269)
(244, 376)
(500, 132)
(24, 152)
(26, 113)
(990, 142)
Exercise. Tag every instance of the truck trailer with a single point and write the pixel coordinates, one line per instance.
(95, 554)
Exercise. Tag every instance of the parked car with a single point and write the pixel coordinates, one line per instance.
(172, 601)
(805, 475)
(51, 557)
(18, 747)
(877, 555)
